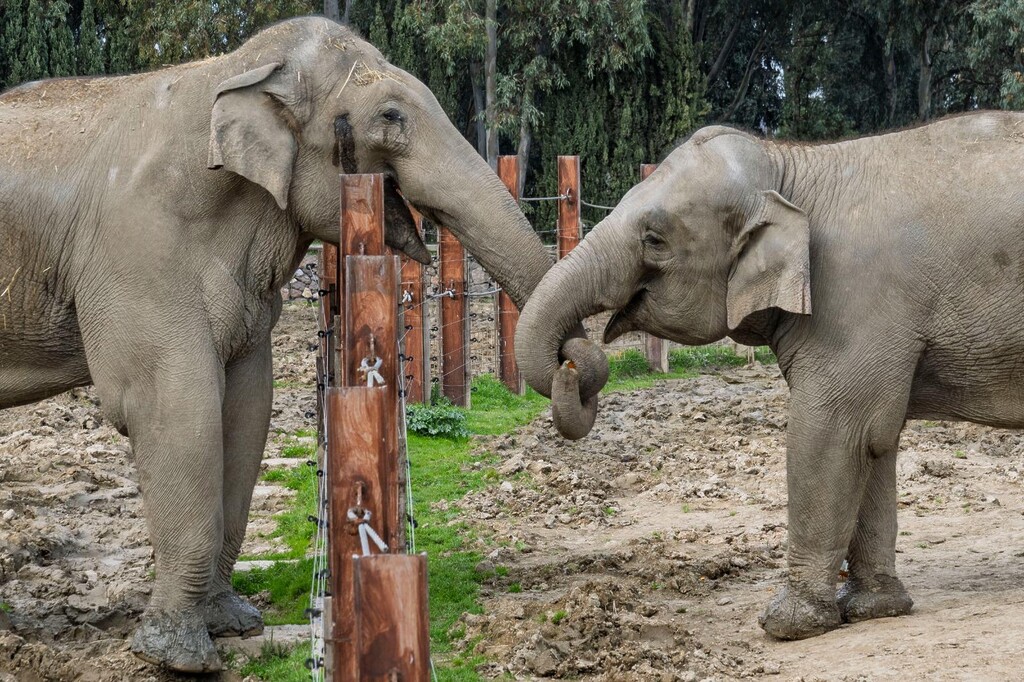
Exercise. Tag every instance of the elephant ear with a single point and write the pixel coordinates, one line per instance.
(773, 268)
(249, 135)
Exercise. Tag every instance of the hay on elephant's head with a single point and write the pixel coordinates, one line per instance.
(364, 75)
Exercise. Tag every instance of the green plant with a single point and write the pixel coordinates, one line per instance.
(629, 364)
(438, 421)
(515, 588)
(558, 617)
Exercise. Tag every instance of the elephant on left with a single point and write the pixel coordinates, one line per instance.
(147, 223)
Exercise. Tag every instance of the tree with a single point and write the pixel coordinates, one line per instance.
(13, 39)
(90, 51)
(60, 40)
(33, 52)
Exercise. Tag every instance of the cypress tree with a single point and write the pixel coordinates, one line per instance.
(33, 50)
(90, 51)
(379, 32)
(60, 39)
(13, 38)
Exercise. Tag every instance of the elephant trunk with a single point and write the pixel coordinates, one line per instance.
(598, 275)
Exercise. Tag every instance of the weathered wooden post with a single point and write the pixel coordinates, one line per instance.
(569, 207)
(364, 470)
(454, 320)
(506, 314)
(415, 345)
(656, 349)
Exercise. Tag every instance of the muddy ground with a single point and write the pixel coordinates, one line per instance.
(643, 552)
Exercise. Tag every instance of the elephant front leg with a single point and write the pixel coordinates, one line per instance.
(176, 437)
(248, 394)
(831, 442)
(873, 590)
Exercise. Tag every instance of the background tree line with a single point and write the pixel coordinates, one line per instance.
(618, 82)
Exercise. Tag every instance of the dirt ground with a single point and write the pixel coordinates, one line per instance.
(643, 552)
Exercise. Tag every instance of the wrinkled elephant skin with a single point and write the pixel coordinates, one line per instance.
(887, 274)
(147, 224)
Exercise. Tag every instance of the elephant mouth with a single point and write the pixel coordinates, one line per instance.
(624, 319)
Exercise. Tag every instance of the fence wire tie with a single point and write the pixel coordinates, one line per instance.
(366, 531)
(373, 377)
(406, 296)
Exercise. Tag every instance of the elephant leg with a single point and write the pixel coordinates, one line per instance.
(171, 407)
(248, 394)
(835, 428)
(873, 590)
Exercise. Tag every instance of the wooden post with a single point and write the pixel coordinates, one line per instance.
(506, 314)
(454, 321)
(362, 478)
(415, 340)
(568, 208)
(364, 465)
(655, 348)
(391, 609)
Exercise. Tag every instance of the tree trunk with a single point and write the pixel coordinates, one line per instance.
(491, 77)
(348, 11)
(480, 119)
(741, 91)
(924, 77)
(525, 135)
(331, 10)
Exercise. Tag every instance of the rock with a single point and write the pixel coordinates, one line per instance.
(512, 466)
(506, 486)
(725, 601)
(543, 663)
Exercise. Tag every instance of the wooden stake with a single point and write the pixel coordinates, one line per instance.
(655, 349)
(391, 610)
(454, 321)
(568, 208)
(506, 314)
(362, 478)
(415, 340)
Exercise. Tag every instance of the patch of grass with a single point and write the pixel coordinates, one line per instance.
(299, 450)
(288, 585)
(496, 410)
(293, 524)
(278, 664)
(515, 588)
(558, 617)
(441, 421)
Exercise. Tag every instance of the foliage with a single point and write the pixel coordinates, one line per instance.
(287, 584)
(629, 364)
(440, 421)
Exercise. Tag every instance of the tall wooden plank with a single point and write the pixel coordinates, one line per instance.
(506, 314)
(656, 349)
(454, 320)
(415, 344)
(391, 612)
(569, 207)
(360, 479)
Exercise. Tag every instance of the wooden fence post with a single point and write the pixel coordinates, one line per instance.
(506, 314)
(655, 349)
(415, 344)
(364, 465)
(568, 208)
(454, 320)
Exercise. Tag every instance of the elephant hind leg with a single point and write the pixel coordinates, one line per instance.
(873, 590)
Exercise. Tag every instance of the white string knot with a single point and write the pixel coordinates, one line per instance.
(366, 531)
(373, 376)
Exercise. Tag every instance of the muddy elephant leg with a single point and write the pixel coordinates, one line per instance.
(834, 428)
(873, 590)
(173, 418)
(248, 394)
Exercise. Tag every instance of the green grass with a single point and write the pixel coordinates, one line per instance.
(279, 665)
(293, 524)
(288, 585)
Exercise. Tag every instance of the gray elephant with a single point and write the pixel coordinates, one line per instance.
(910, 246)
(147, 223)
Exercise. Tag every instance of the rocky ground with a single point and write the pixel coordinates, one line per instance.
(642, 552)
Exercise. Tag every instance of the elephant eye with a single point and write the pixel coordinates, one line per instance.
(653, 240)
(392, 116)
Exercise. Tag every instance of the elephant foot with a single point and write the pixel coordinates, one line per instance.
(177, 641)
(880, 597)
(229, 615)
(794, 615)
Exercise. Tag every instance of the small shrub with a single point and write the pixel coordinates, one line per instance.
(439, 421)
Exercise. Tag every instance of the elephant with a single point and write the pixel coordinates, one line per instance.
(909, 247)
(147, 224)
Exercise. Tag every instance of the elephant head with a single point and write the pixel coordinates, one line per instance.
(705, 247)
(305, 100)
